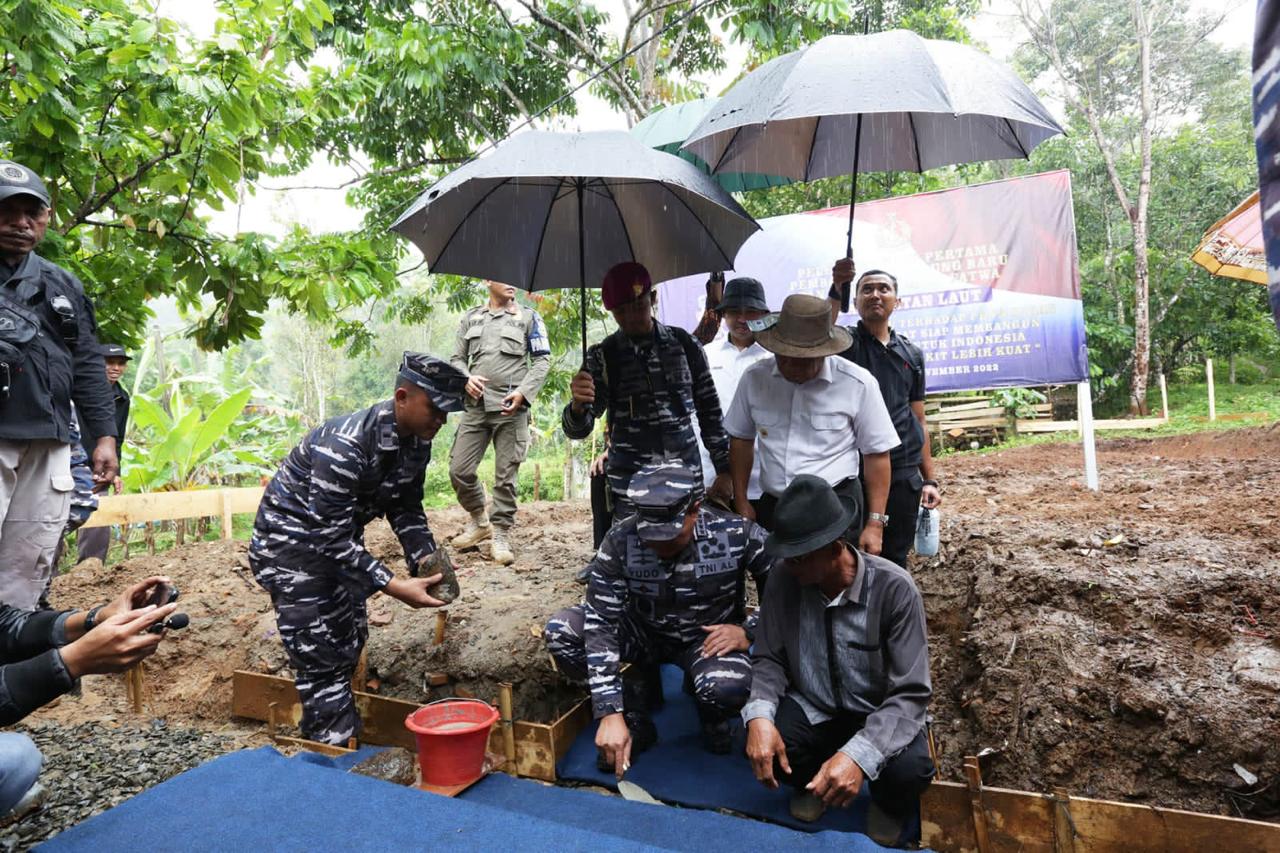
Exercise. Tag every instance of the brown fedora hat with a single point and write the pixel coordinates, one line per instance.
(802, 329)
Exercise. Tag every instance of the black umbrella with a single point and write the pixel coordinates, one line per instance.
(552, 210)
(890, 101)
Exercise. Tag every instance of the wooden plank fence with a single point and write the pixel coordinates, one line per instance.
(168, 506)
(953, 419)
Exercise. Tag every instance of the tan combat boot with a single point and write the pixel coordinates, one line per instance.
(500, 550)
(478, 530)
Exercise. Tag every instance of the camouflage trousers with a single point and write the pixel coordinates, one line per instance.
(323, 625)
(721, 684)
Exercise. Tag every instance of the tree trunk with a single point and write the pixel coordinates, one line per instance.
(1141, 273)
(1231, 368)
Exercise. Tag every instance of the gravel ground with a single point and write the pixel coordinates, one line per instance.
(89, 768)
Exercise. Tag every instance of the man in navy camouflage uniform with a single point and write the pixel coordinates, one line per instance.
(668, 584)
(308, 540)
(650, 380)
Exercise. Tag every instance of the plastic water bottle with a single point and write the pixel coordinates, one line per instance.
(927, 523)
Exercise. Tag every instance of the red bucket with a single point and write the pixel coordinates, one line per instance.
(452, 735)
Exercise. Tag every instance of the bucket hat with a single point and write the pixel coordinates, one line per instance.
(802, 329)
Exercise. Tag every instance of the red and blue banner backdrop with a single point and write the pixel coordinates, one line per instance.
(988, 278)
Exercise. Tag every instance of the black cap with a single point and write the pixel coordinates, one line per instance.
(808, 516)
(17, 179)
(443, 382)
(744, 294)
(114, 351)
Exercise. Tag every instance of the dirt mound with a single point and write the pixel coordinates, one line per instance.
(1123, 644)
(494, 631)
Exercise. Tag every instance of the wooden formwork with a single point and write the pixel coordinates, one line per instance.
(972, 818)
(955, 817)
(537, 746)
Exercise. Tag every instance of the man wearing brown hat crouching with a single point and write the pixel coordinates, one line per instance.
(839, 669)
(808, 413)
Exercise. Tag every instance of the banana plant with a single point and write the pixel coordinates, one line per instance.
(183, 449)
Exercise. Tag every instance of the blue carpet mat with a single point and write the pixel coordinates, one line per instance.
(679, 770)
(261, 801)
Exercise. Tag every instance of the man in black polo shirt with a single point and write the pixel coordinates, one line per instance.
(898, 366)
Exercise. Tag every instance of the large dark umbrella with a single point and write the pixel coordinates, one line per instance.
(890, 101)
(552, 210)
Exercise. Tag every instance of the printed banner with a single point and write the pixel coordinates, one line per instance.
(988, 277)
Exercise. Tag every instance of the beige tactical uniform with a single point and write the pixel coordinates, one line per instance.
(511, 349)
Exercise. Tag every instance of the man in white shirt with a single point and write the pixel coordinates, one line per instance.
(809, 413)
(730, 354)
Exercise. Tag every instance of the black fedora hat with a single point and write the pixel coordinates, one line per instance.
(808, 516)
(744, 294)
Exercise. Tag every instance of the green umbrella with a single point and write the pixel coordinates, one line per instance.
(667, 128)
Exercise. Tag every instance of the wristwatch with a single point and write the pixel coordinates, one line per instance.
(91, 618)
(878, 516)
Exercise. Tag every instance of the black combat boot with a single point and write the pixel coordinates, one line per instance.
(637, 698)
(636, 694)
(717, 734)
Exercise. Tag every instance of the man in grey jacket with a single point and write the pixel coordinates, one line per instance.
(840, 668)
(43, 652)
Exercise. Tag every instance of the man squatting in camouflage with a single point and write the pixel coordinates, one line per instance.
(667, 585)
(504, 351)
(308, 548)
(649, 379)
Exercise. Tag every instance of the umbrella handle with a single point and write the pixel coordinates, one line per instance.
(847, 288)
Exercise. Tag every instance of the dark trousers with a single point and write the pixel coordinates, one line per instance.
(601, 509)
(850, 488)
(902, 508)
(93, 542)
(902, 779)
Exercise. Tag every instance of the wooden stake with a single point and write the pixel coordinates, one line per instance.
(442, 619)
(1064, 828)
(537, 481)
(1164, 398)
(361, 676)
(973, 776)
(226, 514)
(134, 686)
(1208, 373)
(508, 722)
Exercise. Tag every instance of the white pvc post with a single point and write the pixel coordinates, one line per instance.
(1164, 398)
(1084, 415)
(1208, 373)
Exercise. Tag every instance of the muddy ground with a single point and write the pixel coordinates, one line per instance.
(1124, 644)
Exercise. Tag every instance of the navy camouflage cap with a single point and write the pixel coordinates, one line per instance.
(662, 494)
(443, 382)
(17, 179)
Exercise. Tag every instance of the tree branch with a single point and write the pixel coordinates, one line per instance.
(376, 173)
(618, 79)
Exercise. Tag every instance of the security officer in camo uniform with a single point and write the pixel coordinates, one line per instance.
(668, 584)
(308, 540)
(649, 379)
(504, 351)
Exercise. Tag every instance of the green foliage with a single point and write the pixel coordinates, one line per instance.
(140, 128)
(1018, 402)
(189, 433)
